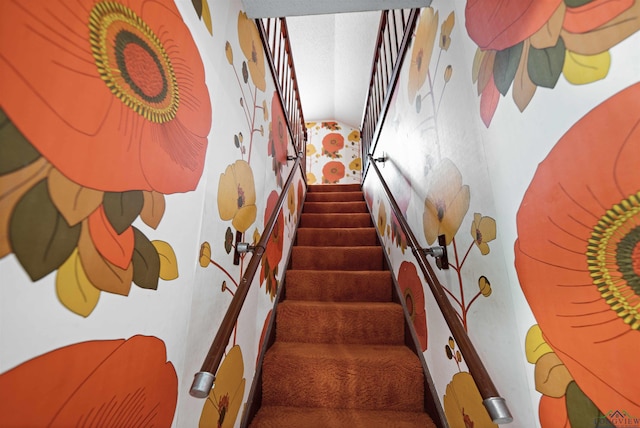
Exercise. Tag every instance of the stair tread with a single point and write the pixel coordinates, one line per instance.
(295, 417)
(379, 323)
(371, 377)
(339, 285)
(337, 258)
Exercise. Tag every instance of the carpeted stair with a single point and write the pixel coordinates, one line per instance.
(339, 358)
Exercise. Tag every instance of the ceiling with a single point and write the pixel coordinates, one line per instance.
(332, 43)
(333, 56)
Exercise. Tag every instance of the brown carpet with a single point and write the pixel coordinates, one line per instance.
(339, 358)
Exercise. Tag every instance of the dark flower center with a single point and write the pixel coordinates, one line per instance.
(478, 236)
(628, 258)
(441, 208)
(140, 67)
(613, 258)
(133, 62)
(223, 408)
(254, 53)
(408, 298)
(241, 198)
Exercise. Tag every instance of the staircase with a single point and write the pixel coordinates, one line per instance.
(339, 358)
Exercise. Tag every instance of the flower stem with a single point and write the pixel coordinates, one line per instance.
(252, 126)
(244, 108)
(472, 300)
(466, 254)
(452, 296)
(225, 272)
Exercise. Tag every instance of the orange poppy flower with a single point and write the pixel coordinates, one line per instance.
(116, 382)
(331, 144)
(333, 172)
(278, 138)
(578, 251)
(113, 95)
(273, 252)
(413, 291)
(495, 24)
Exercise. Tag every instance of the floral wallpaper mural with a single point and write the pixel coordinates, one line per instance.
(99, 383)
(526, 45)
(562, 309)
(252, 178)
(588, 261)
(333, 153)
(126, 124)
(113, 200)
(223, 404)
(440, 190)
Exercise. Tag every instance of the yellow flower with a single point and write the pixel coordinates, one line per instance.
(483, 230)
(422, 49)
(485, 286)
(251, 46)
(463, 403)
(265, 110)
(229, 52)
(448, 72)
(311, 178)
(291, 199)
(205, 254)
(224, 401)
(311, 149)
(356, 164)
(354, 135)
(445, 31)
(382, 220)
(446, 204)
(310, 124)
(237, 196)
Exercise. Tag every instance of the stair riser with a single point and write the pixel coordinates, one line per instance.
(334, 188)
(338, 286)
(335, 207)
(357, 323)
(334, 197)
(327, 237)
(335, 220)
(342, 383)
(337, 258)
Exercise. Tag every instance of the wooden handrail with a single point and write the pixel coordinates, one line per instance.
(204, 379)
(381, 86)
(281, 63)
(284, 75)
(496, 405)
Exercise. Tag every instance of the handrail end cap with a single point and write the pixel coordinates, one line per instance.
(498, 410)
(202, 384)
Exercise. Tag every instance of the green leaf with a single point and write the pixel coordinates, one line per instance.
(122, 208)
(545, 65)
(228, 240)
(576, 3)
(581, 410)
(146, 262)
(197, 5)
(40, 237)
(15, 150)
(505, 67)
